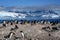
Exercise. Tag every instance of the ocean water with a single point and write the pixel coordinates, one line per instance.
(38, 20)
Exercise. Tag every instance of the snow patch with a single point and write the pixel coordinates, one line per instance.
(55, 16)
(50, 16)
(12, 14)
(3, 13)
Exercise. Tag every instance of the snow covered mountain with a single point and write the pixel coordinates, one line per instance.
(35, 13)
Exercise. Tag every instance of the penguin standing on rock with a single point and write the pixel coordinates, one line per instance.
(15, 28)
(22, 34)
(11, 23)
(10, 36)
(4, 25)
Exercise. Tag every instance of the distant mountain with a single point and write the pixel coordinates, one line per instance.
(34, 12)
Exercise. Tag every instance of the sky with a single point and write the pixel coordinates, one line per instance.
(28, 2)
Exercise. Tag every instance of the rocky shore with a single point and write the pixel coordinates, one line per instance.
(29, 31)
